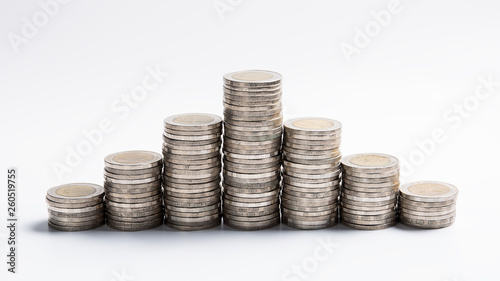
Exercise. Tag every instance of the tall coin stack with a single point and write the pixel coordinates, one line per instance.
(132, 180)
(75, 206)
(252, 149)
(369, 191)
(427, 204)
(192, 161)
(311, 172)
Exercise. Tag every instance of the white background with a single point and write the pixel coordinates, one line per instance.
(394, 93)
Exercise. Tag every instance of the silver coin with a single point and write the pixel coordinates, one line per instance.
(302, 179)
(229, 216)
(313, 126)
(132, 181)
(307, 202)
(192, 202)
(134, 226)
(308, 214)
(181, 167)
(318, 192)
(75, 228)
(263, 151)
(361, 207)
(192, 209)
(254, 89)
(233, 192)
(193, 228)
(369, 199)
(429, 191)
(391, 180)
(75, 215)
(97, 220)
(369, 185)
(370, 163)
(405, 215)
(367, 222)
(329, 157)
(247, 101)
(134, 188)
(134, 213)
(198, 224)
(309, 227)
(191, 152)
(193, 121)
(177, 146)
(272, 112)
(199, 194)
(393, 188)
(205, 159)
(252, 182)
(417, 208)
(133, 200)
(151, 170)
(370, 194)
(76, 210)
(133, 160)
(72, 205)
(368, 213)
(252, 212)
(253, 135)
(257, 144)
(204, 137)
(272, 175)
(371, 217)
(153, 202)
(252, 78)
(311, 174)
(132, 176)
(427, 224)
(155, 216)
(200, 187)
(250, 205)
(236, 169)
(272, 123)
(191, 181)
(367, 203)
(251, 162)
(293, 206)
(372, 175)
(110, 194)
(331, 142)
(194, 215)
(254, 225)
(62, 220)
(191, 143)
(246, 184)
(228, 107)
(195, 174)
(290, 135)
(251, 118)
(304, 184)
(309, 195)
(191, 220)
(251, 190)
(318, 154)
(76, 193)
(241, 199)
(408, 202)
(424, 214)
(368, 227)
(252, 93)
(331, 166)
(310, 147)
(193, 132)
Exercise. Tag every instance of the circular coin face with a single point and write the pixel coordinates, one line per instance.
(430, 191)
(76, 191)
(367, 162)
(136, 158)
(252, 77)
(313, 124)
(201, 120)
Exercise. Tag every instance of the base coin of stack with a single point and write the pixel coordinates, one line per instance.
(192, 167)
(369, 191)
(132, 180)
(311, 172)
(252, 149)
(427, 204)
(75, 206)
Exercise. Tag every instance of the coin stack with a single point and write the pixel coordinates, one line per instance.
(369, 191)
(252, 149)
(132, 181)
(191, 179)
(427, 204)
(311, 172)
(75, 206)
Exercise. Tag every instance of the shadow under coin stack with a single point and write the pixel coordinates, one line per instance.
(132, 181)
(311, 172)
(75, 206)
(369, 191)
(427, 204)
(252, 149)
(192, 162)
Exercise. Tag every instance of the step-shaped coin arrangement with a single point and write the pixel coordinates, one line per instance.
(369, 191)
(427, 204)
(132, 180)
(252, 149)
(192, 167)
(75, 206)
(311, 172)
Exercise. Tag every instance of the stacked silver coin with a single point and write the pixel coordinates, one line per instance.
(369, 191)
(427, 204)
(192, 167)
(75, 206)
(252, 149)
(311, 172)
(132, 180)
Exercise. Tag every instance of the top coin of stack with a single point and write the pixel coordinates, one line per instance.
(369, 191)
(132, 180)
(191, 181)
(427, 204)
(311, 172)
(75, 206)
(252, 149)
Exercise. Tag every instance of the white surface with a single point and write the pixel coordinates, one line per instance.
(394, 93)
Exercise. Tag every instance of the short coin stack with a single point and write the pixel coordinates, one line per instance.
(252, 149)
(427, 204)
(369, 191)
(311, 172)
(75, 206)
(192, 160)
(132, 181)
